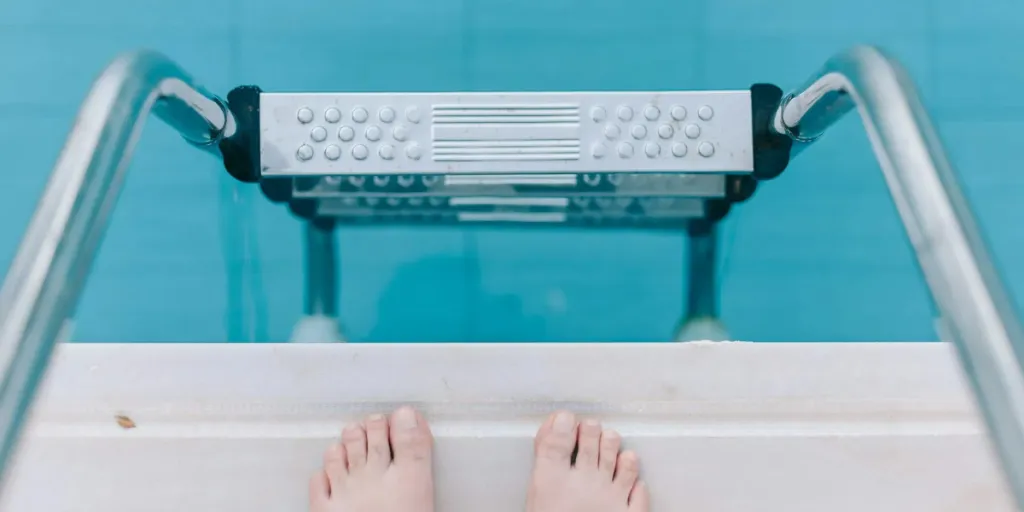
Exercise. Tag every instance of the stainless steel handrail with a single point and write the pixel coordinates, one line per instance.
(976, 312)
(47, 275)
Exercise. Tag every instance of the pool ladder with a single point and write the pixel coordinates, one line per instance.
(749, 137)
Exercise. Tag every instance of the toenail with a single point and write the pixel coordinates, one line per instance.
(375, 417)
(592, 423)
(405, 418)
(564, 423)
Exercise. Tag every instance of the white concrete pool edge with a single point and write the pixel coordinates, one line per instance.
(727, 426)
(694, 382)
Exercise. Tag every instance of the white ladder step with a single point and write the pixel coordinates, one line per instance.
(505, 132)
(731, 427)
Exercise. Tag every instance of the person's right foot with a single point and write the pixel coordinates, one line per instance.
(600, 480)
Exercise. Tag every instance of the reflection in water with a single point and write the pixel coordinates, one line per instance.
(425, 294)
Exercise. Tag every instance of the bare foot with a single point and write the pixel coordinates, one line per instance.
(377, 467)
(601, 480)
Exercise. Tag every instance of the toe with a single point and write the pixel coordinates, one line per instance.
(410, 437)
(639, 499)
(354, 440)
(555, 444)
(588, 444)
(335, 465)
(609, 452)
(378, 448)
(543, 431)
(627, 469)
(319, 492)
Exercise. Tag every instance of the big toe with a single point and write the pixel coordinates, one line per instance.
(556, 440)
(410, 437)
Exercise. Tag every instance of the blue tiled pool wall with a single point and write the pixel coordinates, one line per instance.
(818, 255)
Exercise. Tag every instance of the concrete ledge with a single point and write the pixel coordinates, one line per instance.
(723, 427)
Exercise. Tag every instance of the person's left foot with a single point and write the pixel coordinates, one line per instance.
(380, 465)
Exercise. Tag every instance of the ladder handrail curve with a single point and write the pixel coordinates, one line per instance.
(47, 275)
(976, 313)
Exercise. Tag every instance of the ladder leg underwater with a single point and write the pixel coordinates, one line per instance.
(524, 159)
(701, 321)
(319, 322)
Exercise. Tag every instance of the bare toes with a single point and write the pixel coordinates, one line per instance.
(542, 432)
(378, 448)
(410, 437)
(354, 439)
(555, 444)
(588, 445)
(627, 470)
(335, 465)
(611, 442)
(600, 477)
(360, 474)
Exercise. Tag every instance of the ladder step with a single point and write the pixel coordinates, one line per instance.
(311, 134)
(537, 185)
(602, 211)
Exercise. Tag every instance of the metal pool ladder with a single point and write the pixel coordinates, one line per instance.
(750, 136)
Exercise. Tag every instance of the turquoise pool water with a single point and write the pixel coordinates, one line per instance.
(817, 255)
